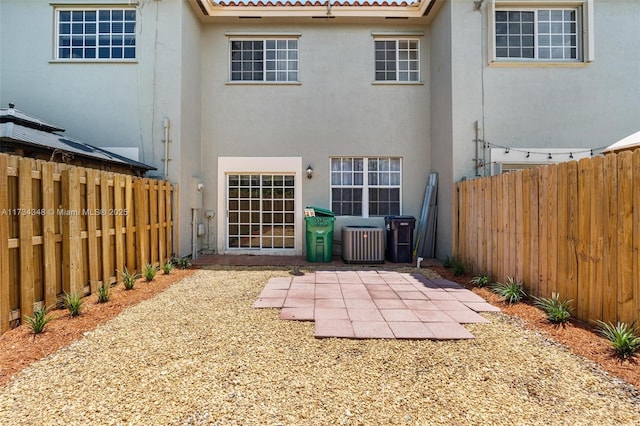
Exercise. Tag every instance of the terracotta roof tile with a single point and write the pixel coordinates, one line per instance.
(316, 3)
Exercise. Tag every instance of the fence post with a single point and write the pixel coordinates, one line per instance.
(119, 212)
(142, 215)
(4, 245)
(92, 227)
(107, 266)
(25, 188)
(49, 230)
(71, 242)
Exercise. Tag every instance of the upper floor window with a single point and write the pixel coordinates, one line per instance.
(544, 34)
(98, 34)
(397, 60)
(362, 186)
(268, 60)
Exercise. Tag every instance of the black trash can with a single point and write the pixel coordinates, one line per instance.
(400, 238)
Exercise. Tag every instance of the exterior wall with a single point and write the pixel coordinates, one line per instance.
(588, 106)
(442, 127)
(110, 104)
(335, 111)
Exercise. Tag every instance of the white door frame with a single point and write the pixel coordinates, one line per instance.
(265, 165)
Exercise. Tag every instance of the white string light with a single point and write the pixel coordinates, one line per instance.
(570, 154)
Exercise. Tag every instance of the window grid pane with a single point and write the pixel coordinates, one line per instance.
(543, 34)
(274, 60)
(397, 60)
(81, 31)
(381, 187)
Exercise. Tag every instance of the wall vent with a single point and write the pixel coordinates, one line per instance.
(362, 244)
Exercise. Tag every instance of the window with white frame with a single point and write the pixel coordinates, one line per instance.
(271, 60)
(96, 34)
(397, 60)
(366, 186)
(545, 34)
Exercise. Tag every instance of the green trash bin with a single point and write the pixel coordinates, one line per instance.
(319, 224)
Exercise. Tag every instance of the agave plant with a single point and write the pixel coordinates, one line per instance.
(103, 294)
(129, 279)
(73, 302)
(167, 267)
(149, 272)
(39, 320)
(623, 337)
(558, 312)
(511, 291)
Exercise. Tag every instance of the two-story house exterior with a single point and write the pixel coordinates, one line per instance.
(372, 96)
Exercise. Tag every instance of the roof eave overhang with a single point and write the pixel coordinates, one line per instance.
(418, 10)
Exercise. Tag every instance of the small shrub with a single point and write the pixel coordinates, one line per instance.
(623, 337)
(480, 281)
(455, 264)
(73, 302)
(557, 312)
(167, 267)
(182, 262)
(129, 279)
(39, 320)
(149, 272)
(511, 291)
(103, 294)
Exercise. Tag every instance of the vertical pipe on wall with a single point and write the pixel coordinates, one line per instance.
(165, 124)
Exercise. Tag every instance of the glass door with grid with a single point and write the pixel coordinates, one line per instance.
(261, 211)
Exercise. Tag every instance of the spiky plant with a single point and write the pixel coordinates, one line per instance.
(39, 320)
(149, 272)
(558, 312)
(129, 279)
(480, 281)
(182, 262)
(623, 337)
(167, 267)
(73, 302)
(511, 291)
(103, 294)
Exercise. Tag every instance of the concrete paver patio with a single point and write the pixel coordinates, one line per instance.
(376, 304)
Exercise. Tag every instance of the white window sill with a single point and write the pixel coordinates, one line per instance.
(263, 83)
(93, 61)
(538, 64)
(398, 83)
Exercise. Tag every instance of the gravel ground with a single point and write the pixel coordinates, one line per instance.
(199, 354)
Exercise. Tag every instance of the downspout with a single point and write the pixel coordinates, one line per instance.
(165, 124)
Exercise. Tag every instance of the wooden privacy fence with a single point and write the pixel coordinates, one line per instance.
(73, 229)
(571, 228)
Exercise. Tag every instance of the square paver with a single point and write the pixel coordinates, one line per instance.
(273, 293)
(438, 295)
(326, 278)
(279, 283)
(331, 314)
(467, 316)
(449, 305)
(359, 292)
(372, 330)
(433, 316)
(424, 305)
(399, 315)
(364, 314)
(410, 330)
(449, 331)
(296, 302)
(466, 296)
(328, 291)
(302, 293)
(359, 303)
(333, 328)
(330, 303)
(390, 303)
(383, 294)
(482, 307)
(442, 283)
(269, 302)
(309, 278)
(297, 314)
(412, 295)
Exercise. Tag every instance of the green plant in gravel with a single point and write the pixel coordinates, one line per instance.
(182, 262)
(39, 320)
(129, 279)
(167, 267)
(511, 291)
(103, 294)
(480, 281)
(73, 302)
(558, 312)
(623, 337)
(149, 272)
